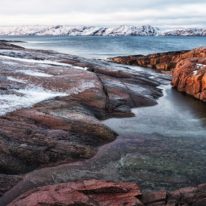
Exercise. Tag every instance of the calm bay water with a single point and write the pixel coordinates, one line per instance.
(102, 47)
(163, 146)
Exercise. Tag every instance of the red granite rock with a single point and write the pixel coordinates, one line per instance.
(65, 128)
(165, 61)
(88, 192)
(189, 76)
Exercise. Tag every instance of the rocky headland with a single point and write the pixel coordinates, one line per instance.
(188, 68)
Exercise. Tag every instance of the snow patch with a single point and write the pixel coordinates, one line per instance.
(35, 73)
(200, 66)
(34, 61)
(195, 72)
(9, 63)
(29, 96)
(16, 80)
(83, 86)
(81, 68)
(45, 62)
(197, 68)
(26, 98)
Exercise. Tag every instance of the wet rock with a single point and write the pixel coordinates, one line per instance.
(88, 192)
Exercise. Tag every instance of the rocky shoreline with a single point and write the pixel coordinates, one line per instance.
(65, 126)
(188, 68)
(102, 193)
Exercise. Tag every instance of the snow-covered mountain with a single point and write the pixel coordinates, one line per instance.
(186, 32)
(124, 30)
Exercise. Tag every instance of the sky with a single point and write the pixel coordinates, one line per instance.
(162, 13)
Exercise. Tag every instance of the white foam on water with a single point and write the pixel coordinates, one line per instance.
(26, 98)
(35, 73)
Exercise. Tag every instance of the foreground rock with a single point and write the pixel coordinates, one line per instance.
(51, 104)
(88, 192)
(104, 193)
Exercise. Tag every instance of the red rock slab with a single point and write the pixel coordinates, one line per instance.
(88, 192)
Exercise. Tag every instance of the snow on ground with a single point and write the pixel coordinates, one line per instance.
(26, 98)
(81, 68)
(34, 73)
(15, 60)
(16, 80)
(82, 86)
(198, 67)
(195, 72)
(9, 63)
(34, 61)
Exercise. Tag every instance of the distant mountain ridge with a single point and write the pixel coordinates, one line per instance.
(123, 30)
(186, 32)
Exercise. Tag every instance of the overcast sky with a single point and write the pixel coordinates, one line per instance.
(103, 12)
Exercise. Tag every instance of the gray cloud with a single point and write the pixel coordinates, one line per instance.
(113, 12)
